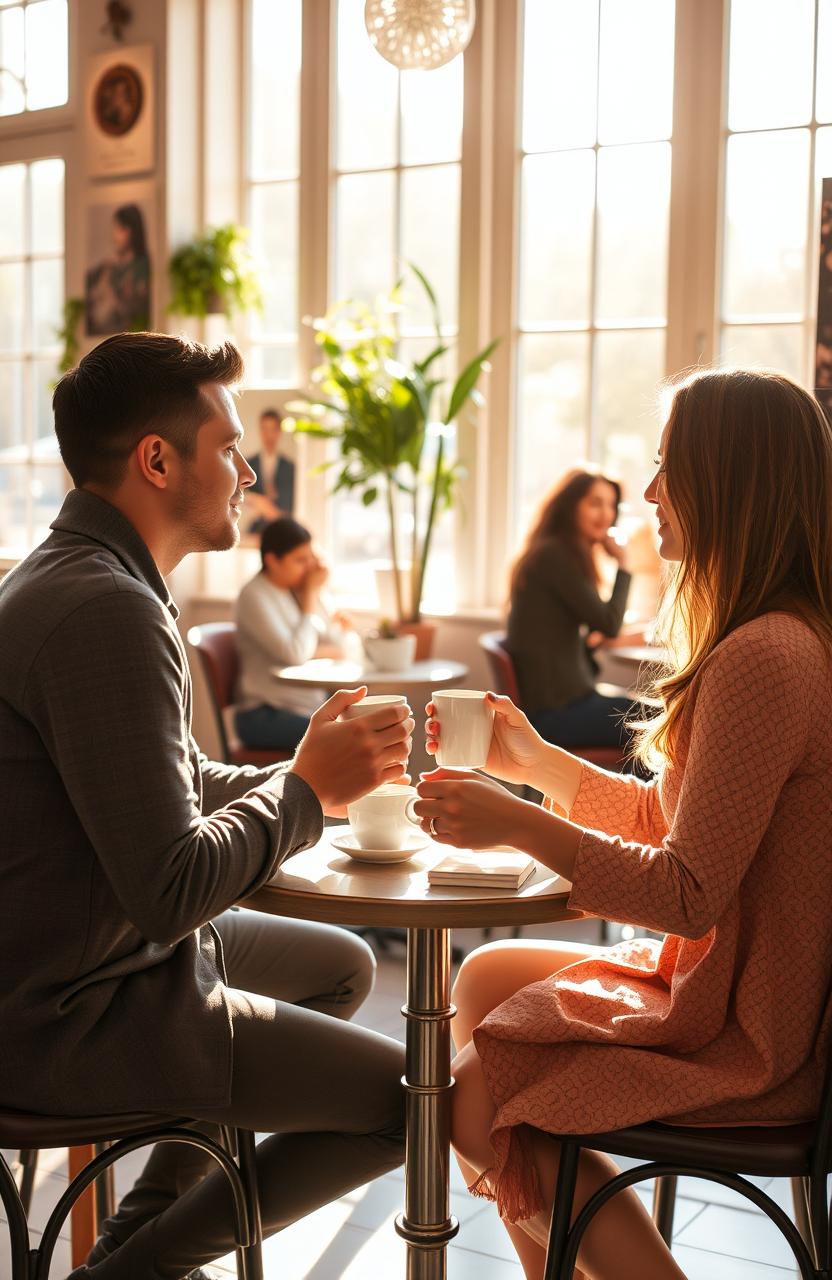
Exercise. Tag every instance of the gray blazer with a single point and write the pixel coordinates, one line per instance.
(119, 839)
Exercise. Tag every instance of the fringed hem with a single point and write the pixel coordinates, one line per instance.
(514, 1185)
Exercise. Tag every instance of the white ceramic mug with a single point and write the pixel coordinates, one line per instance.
(384, 818)
(373, 702)
(466, 721)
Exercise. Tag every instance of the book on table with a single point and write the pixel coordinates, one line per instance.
(491, 868)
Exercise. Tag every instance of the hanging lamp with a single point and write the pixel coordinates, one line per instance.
(419, 34)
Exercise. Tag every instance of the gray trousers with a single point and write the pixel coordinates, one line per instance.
(328, 1093)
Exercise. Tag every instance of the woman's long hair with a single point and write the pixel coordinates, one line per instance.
(748, 471)
(556, 519)
(131, 218)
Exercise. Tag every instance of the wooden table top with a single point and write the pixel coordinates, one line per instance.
(332, 673)
(324, 884)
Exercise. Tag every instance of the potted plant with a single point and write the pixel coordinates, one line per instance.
(214, 273)
(392, 443)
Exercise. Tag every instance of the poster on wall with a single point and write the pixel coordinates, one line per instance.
(823, 349)
(118, 276)
(120, 111)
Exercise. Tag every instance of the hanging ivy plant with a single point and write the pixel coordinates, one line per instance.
(215, 273)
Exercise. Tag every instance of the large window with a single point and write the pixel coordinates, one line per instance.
(33, 55)
(776, 153)
(397, 145)
(31, 298)
(273, 155)
(634, 190)
(594, 220)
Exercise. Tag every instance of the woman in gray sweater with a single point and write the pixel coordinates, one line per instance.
(556, 605)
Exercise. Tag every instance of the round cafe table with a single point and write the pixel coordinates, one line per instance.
(324, 884)
(334, 673)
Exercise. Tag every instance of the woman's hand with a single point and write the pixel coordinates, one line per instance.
(516, 749)
(617, 550)
(464, 809)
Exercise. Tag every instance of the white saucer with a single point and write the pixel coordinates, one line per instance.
(347, 843)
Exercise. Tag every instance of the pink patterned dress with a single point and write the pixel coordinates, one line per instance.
(727, 1020)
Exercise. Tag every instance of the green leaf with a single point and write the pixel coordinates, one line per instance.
(369, 496)
(434, 302)
(467, 380)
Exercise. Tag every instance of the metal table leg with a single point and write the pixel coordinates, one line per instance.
(427, 1224)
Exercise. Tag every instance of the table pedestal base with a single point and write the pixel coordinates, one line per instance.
(426, 1223)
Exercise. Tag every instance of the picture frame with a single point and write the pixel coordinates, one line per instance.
(120, 112)
(120, 233)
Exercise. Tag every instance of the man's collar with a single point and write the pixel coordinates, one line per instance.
(95, 518)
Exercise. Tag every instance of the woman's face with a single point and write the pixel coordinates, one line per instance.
(596, 512)
(290, 570)
(122, 236)
(670, 534)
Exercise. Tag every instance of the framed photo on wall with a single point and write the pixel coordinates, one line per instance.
(120, 229)
(120, 112)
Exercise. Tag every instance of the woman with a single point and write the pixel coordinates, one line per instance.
(724, 1021)
(282, 621)
(555, 603)
(118, 289)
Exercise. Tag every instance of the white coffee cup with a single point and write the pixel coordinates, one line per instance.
(373, 702)
(384, 818)
(466, 721)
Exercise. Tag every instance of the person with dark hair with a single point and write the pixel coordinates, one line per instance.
(273, 492)
(118, 289)
(556, 607)
(127, 848)
(282, 620)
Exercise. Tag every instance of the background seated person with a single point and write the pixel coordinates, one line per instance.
(556, 601)
(273, 493)
(282, 621)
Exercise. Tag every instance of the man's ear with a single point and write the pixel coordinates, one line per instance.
(152, 458)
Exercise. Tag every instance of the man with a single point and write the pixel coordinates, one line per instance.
(121, 841)
(273, 491)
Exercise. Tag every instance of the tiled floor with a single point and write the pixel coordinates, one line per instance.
(718, 1237)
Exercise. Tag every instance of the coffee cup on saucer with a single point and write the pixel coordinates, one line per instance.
(384, 826)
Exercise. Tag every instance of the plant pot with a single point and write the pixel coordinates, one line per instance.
(425, 633)
(391, 653)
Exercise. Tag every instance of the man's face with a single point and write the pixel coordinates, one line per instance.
(270, 432)
(209, 495)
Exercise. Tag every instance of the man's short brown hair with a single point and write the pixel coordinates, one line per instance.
(129, 386)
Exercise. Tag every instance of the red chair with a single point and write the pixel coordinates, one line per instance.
(216, 644)
(505, 682)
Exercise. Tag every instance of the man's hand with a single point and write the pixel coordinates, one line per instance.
(342, 760)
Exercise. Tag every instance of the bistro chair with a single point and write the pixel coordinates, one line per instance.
(801, 1152)
(216, 644)
(505, 681)
(113, 1137)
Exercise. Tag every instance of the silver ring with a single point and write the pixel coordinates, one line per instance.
(432, 827)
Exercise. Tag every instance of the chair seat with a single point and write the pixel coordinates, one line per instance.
(772, 1151)
(21, 1130)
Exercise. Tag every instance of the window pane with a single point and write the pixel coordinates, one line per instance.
(770, 63)
(560, 74)
(770, 346)
(275, 86)
(47, 206)
(633, 211)
(14, 508)
(556, 238)
(12, 98)
(47, 301)
(274, 224)
(365, 248)
(432, 114)
(765, 235)
(553, 407)
(11, 308)
(430, 238)
(45, 374)
(12, 197)
(823, 109)
(12, 425)
(635, 102)
(272, 364)
(48, 490)
(367, 108)
(629, 367)
(46, 54)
